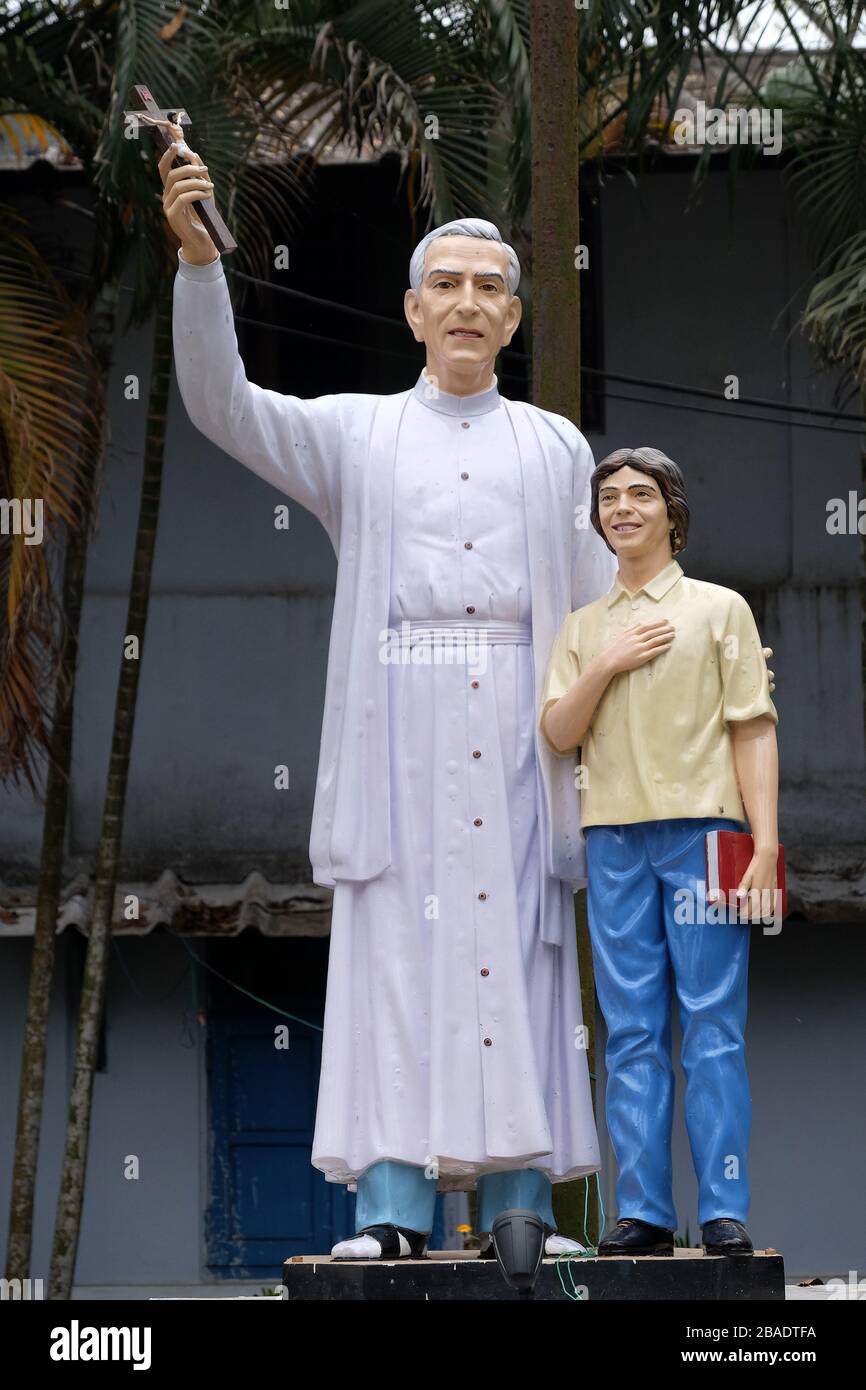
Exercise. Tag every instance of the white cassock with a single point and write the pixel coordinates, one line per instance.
(453, 1018)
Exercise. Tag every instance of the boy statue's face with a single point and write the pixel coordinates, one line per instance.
(464, 312)
(633, 514)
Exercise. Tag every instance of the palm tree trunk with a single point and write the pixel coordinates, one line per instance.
(71, 1196)
(863, 584)
(32, 1083)
(555, 282)
(556, 369)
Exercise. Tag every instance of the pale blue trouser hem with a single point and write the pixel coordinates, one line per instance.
(398, 1194)
(523, 1187)
(395, 1194)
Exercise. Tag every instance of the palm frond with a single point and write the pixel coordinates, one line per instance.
(835, 315)
(48, 431)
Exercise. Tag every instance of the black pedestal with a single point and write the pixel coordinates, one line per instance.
(457, 1275)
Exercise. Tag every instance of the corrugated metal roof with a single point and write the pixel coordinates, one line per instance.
(193, 909)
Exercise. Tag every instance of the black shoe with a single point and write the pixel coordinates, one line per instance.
(397, 1242)
(725, 1236)
(633, 1237)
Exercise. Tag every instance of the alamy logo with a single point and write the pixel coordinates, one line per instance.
(77, 1343)
(846, 516)
(742, 126)
(22, 516)
(25, 1290)
(433, 647)
(759, 905)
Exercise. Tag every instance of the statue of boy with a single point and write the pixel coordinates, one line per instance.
(663, 684)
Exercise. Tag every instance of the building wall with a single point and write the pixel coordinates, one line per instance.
(148, 1103)
(233, 682)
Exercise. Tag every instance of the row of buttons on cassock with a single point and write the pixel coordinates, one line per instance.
(470, 608)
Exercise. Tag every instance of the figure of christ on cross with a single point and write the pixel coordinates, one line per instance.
(449, 830)
(165, 126)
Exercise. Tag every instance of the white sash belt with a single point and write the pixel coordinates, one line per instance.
(463, 631)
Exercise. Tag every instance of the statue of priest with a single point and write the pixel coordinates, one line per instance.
(453, 1052)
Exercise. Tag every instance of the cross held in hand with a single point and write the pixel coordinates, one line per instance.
(157, 121)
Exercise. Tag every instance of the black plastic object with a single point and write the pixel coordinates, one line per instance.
(518, 1240)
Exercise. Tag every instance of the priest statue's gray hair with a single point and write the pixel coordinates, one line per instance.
(464, 226)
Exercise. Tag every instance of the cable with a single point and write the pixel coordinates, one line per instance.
(740, 415)
(323, 338)
(566, 1262)
(735, 415)
(158, 999)
(187, 1039)
(789, 408)
(820, 411)
(315, 299)
(241, 989)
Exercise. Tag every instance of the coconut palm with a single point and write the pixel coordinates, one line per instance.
(105, 47)
(45, 381)
(50, 416)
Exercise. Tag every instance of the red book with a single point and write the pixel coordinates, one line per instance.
(729, 853)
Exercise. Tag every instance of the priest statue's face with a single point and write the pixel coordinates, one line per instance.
(463, 312)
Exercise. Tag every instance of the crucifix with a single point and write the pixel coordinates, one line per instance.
(156, 121)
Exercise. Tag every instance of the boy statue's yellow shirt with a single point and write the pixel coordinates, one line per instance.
(658, 747)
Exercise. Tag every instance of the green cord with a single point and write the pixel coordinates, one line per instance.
(568, 1260)
(282, 1012)
(600, 1208)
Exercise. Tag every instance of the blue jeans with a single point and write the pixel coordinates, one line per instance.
(639, 931)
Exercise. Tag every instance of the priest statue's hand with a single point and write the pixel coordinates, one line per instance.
(183, 188)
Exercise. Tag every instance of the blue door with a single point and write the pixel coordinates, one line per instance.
(267, 1200)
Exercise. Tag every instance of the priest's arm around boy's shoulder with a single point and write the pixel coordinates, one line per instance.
(289, 442)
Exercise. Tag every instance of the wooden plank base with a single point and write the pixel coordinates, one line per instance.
(459, 1275)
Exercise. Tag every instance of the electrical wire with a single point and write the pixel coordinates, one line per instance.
(565, 1263)
(735, 415)
(156, 999)
(739, 415)
(240, 988)
(622, 378)
(319, 302)
(786, 407)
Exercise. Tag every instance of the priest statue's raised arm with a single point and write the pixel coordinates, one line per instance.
(453, 1052)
